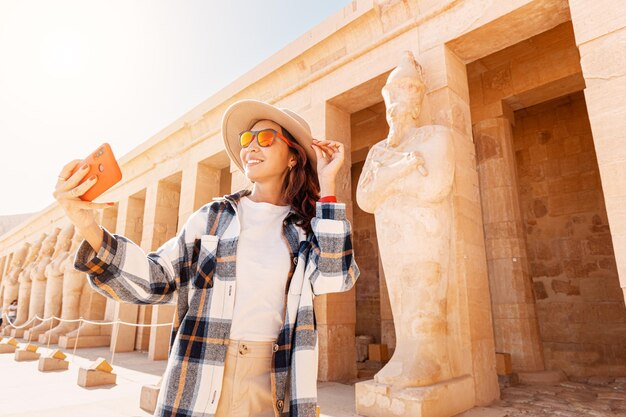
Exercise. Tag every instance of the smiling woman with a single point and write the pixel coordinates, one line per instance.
(261, 254)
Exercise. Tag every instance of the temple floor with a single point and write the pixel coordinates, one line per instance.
(27, 392)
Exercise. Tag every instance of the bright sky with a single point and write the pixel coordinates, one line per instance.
(74, 74)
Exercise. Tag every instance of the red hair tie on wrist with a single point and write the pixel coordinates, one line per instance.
(328, 199)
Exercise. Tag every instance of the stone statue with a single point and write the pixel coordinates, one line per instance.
(92, 306)
(54, 285)
(23, 295)
(11, 281)
(38, 278)
(406, 183)
(73, 282)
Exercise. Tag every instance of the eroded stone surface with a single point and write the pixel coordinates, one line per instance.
(596, 396)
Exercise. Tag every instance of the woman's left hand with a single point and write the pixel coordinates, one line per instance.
(330, 156)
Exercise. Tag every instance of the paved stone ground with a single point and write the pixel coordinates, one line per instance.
(597, 397)
(26, 392)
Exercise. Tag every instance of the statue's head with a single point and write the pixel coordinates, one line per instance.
(20, 255)
(64, 239)
(404, 91)
(47, 247)
(35, 247)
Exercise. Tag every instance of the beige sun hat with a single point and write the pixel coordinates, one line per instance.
(243, 114)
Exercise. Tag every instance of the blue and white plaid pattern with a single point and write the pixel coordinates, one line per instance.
(196, 270)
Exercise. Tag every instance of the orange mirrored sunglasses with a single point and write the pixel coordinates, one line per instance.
(264, 137)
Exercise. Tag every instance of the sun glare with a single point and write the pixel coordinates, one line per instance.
(62, 54)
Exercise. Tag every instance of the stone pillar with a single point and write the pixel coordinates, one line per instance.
(123, 337)
(142, 335)
(201, 182)
(4, 265)
(600, 36)
(513, 304)
(450, 107)
(109, 217)
(160, 336)
(470, 325)
(160, 224)
(25, 286)
(336, 312)
(238, 179)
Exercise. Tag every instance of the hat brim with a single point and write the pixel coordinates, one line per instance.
(243, 114)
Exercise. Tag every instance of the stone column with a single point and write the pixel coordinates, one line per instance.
(142, 335)
(161, 224)
(123, 337)
(11, 281)
(200, 183)
(134, 226)
(238, 179)
(513, 304)
(4, 263)
(25, 286)
(600, 36)
(336, 312)
(471, 313)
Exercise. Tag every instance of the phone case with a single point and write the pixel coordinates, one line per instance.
(102, 163)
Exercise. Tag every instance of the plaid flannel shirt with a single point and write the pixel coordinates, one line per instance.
(196, 270)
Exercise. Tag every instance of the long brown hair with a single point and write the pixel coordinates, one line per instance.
(301, 188)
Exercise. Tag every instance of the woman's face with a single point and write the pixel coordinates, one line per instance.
(275, 159)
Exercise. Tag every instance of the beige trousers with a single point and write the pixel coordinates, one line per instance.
(247, 389)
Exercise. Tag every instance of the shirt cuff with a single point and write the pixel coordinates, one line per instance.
(332, 211)
(87, 260)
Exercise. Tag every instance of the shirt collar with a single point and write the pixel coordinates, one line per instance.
(234, 198)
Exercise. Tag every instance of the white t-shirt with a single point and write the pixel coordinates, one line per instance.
(262, 267)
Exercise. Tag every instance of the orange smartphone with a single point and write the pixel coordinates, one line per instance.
(102, 164)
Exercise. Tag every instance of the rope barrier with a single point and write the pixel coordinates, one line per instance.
(103, 323)
(49, 338)
(19, 326)
(115, 331)
(75, 341)
(81, 320)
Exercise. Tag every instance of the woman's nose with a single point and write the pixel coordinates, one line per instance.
(254, 144)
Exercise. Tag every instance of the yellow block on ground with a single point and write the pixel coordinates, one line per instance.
(57, 354)
(31, 348)
(10, 341)
(101, 365)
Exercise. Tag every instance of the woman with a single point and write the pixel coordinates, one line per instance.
(12, 311)
(254, 354)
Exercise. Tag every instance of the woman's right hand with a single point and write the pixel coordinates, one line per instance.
(67, 192)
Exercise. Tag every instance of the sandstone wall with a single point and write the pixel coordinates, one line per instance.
(579, 301)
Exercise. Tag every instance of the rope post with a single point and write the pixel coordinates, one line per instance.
(114, 334)
(50, 331)
(80, 321)
(30, 336)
